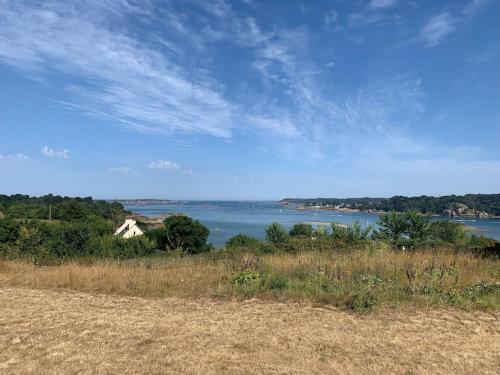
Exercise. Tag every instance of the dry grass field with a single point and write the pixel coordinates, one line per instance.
(357, 280)
(70, 332)
(354, 312)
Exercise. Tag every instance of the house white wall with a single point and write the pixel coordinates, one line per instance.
(129, 229)
(133, 231)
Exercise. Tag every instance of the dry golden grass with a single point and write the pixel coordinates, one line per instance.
(423, 278)
(68, 332)
(181, 277)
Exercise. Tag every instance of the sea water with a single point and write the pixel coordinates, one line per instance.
(226, 219)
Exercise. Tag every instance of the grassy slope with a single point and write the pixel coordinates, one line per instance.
(358, 280)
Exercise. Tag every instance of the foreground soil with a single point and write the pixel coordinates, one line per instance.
(64, 332)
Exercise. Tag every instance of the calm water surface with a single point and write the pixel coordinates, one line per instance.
(226, 219)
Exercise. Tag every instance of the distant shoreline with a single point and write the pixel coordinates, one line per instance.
(379, 212)
(480, 206)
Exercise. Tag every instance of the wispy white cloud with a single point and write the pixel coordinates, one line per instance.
(146, 87)
(228, 26)
(278, 126)
(332, 22)
(125, 80)
(50, 152)
(486, 55)
(122, 170)
(377, 4)
(13, 157)
(437, 29)
(474, 6)
(377, 12)
(164, 164)
(170, 166)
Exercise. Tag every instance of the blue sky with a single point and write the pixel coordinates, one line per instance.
(249, 99)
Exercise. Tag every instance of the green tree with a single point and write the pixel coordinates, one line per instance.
(356, 233)
(339, 232)
(302, 229)
(276, 234)
(418, 225)
(392, 225)
(400, 227)
(182, 232)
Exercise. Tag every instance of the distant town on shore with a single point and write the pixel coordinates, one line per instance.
(469, 205)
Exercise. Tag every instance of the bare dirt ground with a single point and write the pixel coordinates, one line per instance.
(65, 332)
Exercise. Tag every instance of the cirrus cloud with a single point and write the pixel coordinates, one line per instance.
(437, 28)
(164, 164)
(51, 153)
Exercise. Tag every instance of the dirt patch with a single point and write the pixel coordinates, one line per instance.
(63, 332)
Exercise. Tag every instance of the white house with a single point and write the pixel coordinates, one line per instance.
(129, 229)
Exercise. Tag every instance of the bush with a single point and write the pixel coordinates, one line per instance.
(242, 241)
(448, 231)
(120, 248)
(400, 226)
(362, 301)
(276, 234)
(483, 245)
(158, 236)
(9, 231)
(356, 233)
(278, 283)
(339, 232)
(182, 232)
(246, 277)
(302, 229)
(68, 239)
(321, 231)
(29, 240)
(266, 248)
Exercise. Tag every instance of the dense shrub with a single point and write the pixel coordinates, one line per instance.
(120, 248)
(74, 239)
(242, 241)
(182, 232)
(246, 277)
(400, 226)
(44, 242)
(276, 234)
(29, 240)
(356, 233)
(448, 231)
(339, 232)
(321, 231)
(158, 236)
(266, 248)
(277, 282)
(9, 231)
(301, 229)
(483, 245)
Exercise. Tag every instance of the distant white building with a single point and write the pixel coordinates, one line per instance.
(129, 229)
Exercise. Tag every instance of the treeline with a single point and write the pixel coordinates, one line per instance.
(55, 227)
(410, 230)
(489, 203)
(56, 207)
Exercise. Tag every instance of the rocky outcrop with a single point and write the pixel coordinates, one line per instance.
(462, 210)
